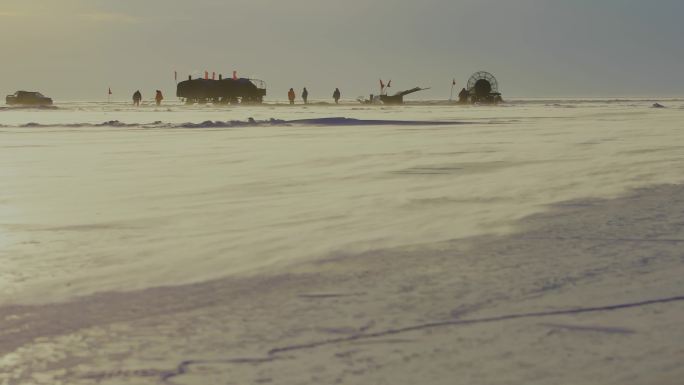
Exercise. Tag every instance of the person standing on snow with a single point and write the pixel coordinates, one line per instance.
(291, 96)
(137, 97)
(337, 95)
(463, 96)
(159, 97)
(305, 95)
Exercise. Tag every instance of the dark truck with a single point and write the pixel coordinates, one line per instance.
(25, 98)
(222, 91)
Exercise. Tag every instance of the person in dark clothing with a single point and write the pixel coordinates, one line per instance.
(337, 95)
(291, 96)
(158, 97)
(137, 97)
(463, 96)
(305, 95)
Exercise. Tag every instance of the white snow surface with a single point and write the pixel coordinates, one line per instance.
(325, 244)
(86, 209)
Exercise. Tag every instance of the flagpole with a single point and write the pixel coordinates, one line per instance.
(175, 79)
(453, 83)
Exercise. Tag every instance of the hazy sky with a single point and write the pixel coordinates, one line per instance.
(76, 49)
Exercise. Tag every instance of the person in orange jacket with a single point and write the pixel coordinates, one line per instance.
(291, 96)
(159, 97)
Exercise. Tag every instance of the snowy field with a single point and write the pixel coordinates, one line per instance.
(538, 242)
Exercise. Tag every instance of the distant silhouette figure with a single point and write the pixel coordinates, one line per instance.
(137, 97)
(305, 96)
(159, 97)
(291, 96)
(463, 96)
(336, 95)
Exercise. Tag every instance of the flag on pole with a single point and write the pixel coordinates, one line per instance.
(453, 83)
(110, 91)
(175, 76)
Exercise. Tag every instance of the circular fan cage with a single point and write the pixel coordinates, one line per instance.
(483, 84)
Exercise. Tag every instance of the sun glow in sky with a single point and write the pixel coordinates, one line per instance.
(76, 49)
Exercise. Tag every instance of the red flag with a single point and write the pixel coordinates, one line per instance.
(389, 84)
(110, 90)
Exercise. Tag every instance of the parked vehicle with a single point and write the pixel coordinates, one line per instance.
(222, 91)
(26, 98)
(483, 88)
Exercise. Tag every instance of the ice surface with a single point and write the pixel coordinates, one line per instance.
(141, 251)
(124, 205)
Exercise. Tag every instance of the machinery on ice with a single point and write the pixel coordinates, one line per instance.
(482, 88)
(222, 91)
(398, 98)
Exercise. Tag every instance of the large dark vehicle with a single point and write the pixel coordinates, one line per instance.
(222, 91)
(25, 98)
(483, 88)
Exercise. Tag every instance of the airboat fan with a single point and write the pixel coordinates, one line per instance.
(483, 88)
(483, 83)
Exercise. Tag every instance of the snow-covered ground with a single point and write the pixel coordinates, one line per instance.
(401, 245)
